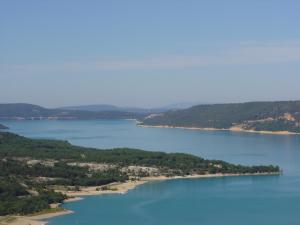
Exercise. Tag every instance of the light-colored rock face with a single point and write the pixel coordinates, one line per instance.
(32, 162)
(288, 116)
(93, 166)
(137, 170)
(49, 163)
(131, 171)
(151, 116)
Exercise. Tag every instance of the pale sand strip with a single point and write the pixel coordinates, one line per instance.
(35, 220)
(232, 129)
(123, 188)
(119, 188)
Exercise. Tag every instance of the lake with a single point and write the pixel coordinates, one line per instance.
(265, 200)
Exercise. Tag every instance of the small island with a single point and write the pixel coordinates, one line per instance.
(37, 175)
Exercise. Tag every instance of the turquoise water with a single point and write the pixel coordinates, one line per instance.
(267, 200)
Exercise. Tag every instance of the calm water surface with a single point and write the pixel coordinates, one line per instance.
(272, 200)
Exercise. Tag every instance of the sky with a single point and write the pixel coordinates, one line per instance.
(148, 53)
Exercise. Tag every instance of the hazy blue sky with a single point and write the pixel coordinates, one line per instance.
(149, 53)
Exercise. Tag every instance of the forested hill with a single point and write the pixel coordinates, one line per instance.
(29, 111)
(33, 171)
(258, 116)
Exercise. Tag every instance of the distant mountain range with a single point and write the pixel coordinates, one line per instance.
(29, 111)
(103, 107)
(251, 116)
(106, 107)
(102, 111)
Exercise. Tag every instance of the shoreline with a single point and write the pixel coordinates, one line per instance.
(123, 188)
(116, 188)
(39, 219)
(232, 129)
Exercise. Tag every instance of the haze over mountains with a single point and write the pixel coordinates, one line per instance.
(107, 107)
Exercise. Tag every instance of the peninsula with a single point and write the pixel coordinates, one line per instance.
(39, 174)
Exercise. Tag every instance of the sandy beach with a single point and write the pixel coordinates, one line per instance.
(116, 188)
(32, 220)
(232, 129)
(123, 188)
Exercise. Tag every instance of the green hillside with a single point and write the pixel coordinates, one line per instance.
(267, 116)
